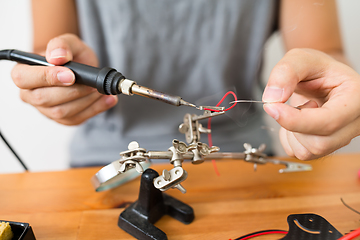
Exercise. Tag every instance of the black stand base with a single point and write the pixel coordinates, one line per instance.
(139, 217)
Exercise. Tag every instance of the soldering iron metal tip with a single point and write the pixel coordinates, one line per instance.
(185, 103)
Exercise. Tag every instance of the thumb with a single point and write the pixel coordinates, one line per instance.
(58, 51)
(69, 47)
(297, 65)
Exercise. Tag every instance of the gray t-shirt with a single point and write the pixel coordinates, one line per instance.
(196, 49)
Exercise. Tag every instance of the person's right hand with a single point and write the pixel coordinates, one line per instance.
(52, 90)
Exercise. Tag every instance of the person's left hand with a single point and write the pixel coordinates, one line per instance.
(327, 93)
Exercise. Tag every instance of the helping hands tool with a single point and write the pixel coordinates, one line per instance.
(106, 80)
(137, 158)
(139, 218)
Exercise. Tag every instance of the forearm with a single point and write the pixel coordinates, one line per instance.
(306, 25)
(52, 19)
(309, 26)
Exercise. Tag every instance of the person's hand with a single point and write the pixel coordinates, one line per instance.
(52, 90)
(327, 93)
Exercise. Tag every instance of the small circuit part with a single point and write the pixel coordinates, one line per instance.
(132, 158)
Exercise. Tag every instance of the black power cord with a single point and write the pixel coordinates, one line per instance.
(13, 151)
(4, 55)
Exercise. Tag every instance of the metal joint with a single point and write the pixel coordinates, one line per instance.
(171, 179)
(132, 158)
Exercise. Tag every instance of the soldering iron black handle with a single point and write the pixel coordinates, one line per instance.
(106, 80)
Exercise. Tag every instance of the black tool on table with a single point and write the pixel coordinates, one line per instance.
(138, 219)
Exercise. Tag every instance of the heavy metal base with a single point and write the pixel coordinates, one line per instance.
(139, 217)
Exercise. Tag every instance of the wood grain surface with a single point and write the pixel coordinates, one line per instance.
(63, 205)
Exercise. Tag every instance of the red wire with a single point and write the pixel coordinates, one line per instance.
(210, 145)
(264, 233)
(209, 123)
(351, 235)
(223, 98)
(260, 233)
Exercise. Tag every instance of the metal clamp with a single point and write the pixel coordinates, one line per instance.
(197, 152)
(171, 179)
(192, 128)
(291, 166)
(255, 155)
(200, 150)
(178, 150)
(132, 158)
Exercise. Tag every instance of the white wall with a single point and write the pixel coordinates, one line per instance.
(43, 143)
(40, 142)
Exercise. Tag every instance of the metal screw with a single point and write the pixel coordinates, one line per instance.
(133, 145)
(166, 175)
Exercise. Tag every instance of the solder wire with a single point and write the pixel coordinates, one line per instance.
(234, 102)
(346, 205)
(249, 101)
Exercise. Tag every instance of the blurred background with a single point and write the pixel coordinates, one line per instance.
(43, 144)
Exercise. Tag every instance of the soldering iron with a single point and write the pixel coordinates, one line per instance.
(106, 80)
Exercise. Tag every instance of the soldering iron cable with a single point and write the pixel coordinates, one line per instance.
(4, 55)
(13, 151)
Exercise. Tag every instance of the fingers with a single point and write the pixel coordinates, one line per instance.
(311, 146)
(325, 120)
(79, 110)
(296, 66)
(102, 104)
(48, 97)
(298, 149)
(308, 104)
(59, 51)
(68, 105)
(51, 89)
(285, 143)
(318, 121)
(291, 145)
(31, 77)
(333, 85)
(307, 146)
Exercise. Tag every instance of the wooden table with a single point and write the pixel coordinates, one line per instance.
(63, 205)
